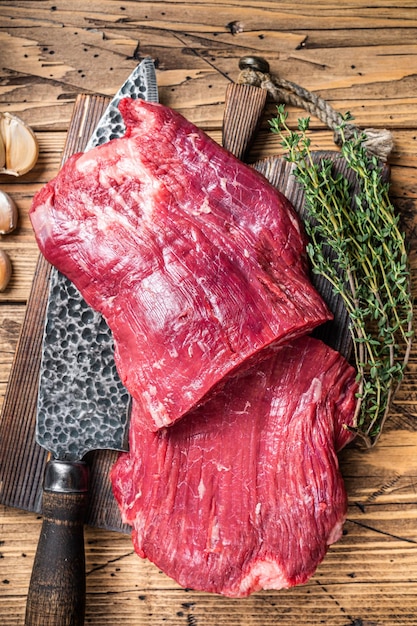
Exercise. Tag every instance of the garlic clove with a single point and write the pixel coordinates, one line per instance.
(8, 214)
(20, 145)
(5, 270)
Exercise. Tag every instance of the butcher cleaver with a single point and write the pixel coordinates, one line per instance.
(82, 406)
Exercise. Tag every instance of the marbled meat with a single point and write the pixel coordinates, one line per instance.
(245, 493)
(195, 261)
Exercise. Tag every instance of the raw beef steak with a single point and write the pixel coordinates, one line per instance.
(245, 492)
(195, 261)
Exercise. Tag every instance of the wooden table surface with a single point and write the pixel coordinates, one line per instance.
(360, 56)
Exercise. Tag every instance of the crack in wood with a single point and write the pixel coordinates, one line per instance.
(109, 562)
(381, 532)
(203, 58)
(36, 79)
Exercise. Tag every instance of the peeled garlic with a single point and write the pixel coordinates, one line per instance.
(5, 270)
(18, 145)
(8, 213)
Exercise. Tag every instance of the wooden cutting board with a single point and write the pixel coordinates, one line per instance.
(22, 460)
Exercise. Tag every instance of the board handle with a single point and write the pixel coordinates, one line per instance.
(56, 594)
(244, 106)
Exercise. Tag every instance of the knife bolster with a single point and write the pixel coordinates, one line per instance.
(66, 477)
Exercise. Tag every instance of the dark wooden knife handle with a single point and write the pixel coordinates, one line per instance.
(244, 105)
(57, 587)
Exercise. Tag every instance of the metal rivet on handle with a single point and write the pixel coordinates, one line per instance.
(259, 64)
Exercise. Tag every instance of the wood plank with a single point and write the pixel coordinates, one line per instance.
(341, 591)
(56, 54)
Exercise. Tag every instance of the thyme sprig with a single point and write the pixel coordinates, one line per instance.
(355, 242)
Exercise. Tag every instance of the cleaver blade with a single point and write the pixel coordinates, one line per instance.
(82, 406)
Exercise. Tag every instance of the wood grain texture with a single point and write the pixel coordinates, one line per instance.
(242, 117)
(349, 53)
(360, 56)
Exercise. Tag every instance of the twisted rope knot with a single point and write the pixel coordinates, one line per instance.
(377, 142)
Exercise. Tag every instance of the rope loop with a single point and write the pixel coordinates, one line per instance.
(255, 71)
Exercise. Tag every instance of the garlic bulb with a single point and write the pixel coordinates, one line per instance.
(5, 270)
(18, 145)
(8, 213)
